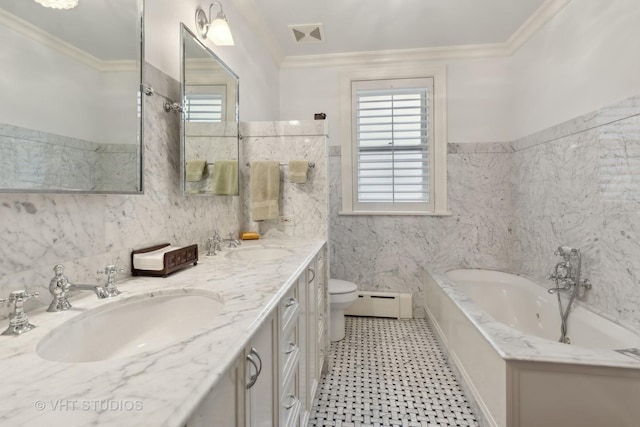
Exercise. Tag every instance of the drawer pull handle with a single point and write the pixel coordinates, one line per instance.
(292, 347)
(292, 301)
(255, 352)
(292, 400)
(313, 274)
(253, 378)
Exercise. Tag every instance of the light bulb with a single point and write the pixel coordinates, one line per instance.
(220, 33)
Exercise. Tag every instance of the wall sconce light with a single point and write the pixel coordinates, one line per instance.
(217, 29)
(58, 4)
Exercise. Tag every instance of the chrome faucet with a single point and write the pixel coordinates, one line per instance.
(233, 242)
(567, 272)
(18, 320)
(60, 287)
(111, 271)
(566, 275)
(213, 243)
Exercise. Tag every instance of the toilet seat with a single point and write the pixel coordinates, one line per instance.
(337, 287)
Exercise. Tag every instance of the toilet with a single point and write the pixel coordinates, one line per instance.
(341, 295)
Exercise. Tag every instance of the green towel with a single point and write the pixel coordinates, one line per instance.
(196, 170)
(225, 177)
(264, 190)
(298, 171)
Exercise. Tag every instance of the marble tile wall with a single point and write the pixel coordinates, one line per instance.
(303, 207)
(31, 159)
(86, 232)
(578, 184)
(388, 252)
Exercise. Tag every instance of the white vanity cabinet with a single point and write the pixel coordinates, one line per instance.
(313, 345)
(260, 376)
(243, 397)
(274, 381)
(224, 405)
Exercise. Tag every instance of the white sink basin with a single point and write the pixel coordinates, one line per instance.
(258, 253)
(130, 326)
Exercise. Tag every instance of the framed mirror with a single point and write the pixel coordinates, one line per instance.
(209, 125)
(71, 116)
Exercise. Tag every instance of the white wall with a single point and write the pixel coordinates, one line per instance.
(249, 59)
(476, 91)
(585, 58)
(72, 101)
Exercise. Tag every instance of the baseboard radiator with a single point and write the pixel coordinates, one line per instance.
(382, 304)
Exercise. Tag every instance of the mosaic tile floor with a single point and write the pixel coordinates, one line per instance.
(389, 372)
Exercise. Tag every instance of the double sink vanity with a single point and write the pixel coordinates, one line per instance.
(238, 340)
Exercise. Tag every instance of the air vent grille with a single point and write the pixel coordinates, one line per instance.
(307, 33)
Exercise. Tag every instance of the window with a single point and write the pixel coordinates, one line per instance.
(394, 150)
(204, 104)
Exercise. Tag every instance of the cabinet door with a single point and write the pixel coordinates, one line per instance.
(224, 405)
(260, 375)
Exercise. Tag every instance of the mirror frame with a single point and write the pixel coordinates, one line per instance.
(185, 30)
(140, 60)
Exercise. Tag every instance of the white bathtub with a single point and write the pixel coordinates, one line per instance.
(500, 331)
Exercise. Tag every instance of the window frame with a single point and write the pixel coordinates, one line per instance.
(396, 85)
(438, 174)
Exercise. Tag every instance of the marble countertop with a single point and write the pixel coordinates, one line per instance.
(154, 388)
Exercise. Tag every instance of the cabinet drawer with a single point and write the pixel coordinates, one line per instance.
(289, 402)
(289, 306)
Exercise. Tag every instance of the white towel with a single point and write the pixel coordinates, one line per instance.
(264, 190)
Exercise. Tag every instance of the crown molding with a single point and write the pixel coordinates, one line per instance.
(44, 38)
(397, 55)
(532, 25)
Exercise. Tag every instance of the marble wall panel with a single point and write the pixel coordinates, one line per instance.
(388, 252)
(578, 184)
(34, 159)
(303, 207)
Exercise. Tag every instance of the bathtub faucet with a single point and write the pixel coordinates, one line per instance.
(566, 276)
(566, 273)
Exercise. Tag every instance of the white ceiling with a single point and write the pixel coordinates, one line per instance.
(105, 29)
(375, 25)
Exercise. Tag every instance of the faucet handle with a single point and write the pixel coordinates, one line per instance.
(111, 271)
(18, 320)
(18, 296)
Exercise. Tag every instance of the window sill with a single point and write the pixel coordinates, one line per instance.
(396, 213)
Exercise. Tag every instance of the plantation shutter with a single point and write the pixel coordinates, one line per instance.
(204, 103)
(392, 133)
(203, 108)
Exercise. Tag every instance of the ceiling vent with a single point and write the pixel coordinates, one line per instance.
(307, 33)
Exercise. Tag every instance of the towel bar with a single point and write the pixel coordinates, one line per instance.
(311, 164)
